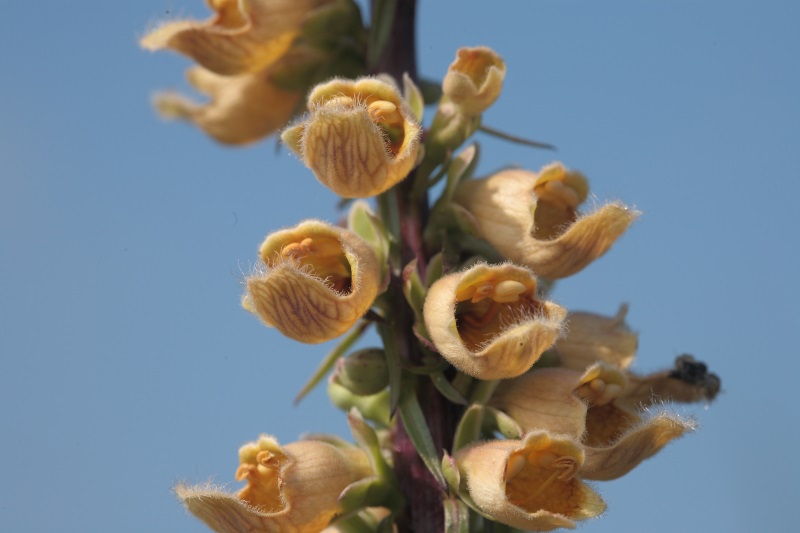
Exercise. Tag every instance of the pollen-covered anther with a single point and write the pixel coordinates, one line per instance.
(558, 194)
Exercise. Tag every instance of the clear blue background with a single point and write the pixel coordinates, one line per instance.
(126, 363)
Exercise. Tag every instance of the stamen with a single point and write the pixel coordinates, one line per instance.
(508, 291)
(557, 193)
(549, 481)
(244, 471)
(385, 112)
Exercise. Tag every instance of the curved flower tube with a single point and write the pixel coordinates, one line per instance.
(243, 36)
(294, 488)
(590, 338)
(318, 281)
(532, 219)
(474, 80)
(360, 137)
(487, 322)
(584, 405)
(240, 50)
(530, 484)
(236, 113)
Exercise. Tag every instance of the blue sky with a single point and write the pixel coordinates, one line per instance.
(126, 363)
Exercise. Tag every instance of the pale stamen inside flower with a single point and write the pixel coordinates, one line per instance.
(387, 116)
(599, 392)
(542, 479)
(325, 257)
(557, 205)
(487, 306)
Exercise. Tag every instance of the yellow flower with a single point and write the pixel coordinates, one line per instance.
(529, 484)
(290, 489)
(589, 338)
(474, 80)
(585, 406)
(487, 322)
(533, 219)
(360, 138)
(243, 36)
(236, 113)
(239, 50)
(318, 281)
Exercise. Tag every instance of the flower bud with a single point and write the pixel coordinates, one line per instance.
(487, 322)
(474, 80)
(317, 282)
(533, 219)
(529, 484)
(360, 138)
(364, 372)
(590, 338)
(291, 488)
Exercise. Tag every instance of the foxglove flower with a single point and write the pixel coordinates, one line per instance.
(487, 321)
(317, 281)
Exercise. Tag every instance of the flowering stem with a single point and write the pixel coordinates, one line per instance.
(422, 491)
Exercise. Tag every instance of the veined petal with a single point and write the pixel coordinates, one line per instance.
(318, 281)
(359, 139)
(244, 35)
(294, 488)
(637, 444)
(555, 245)
(242, 109)
(487, 322)
(529, 484)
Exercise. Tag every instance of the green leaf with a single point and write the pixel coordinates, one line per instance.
(327, 363)
(495, 421)
(456, 516)
(375, 407)
(451, 473)
(419, 433)
(461, 167)
(368, 492)
(394, 364)
(447, 390)
(469, 427)
(413, 96)
(367, 439)
(362, 221)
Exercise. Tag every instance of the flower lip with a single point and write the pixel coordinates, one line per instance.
(317, 282)
(360, 138)
(487, 321)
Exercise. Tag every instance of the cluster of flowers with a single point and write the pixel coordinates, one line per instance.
(555, 385)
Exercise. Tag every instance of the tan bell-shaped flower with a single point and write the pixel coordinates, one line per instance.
(584, 405)
(529, 484)
(293, 488)
(487, 322)
(589, 338)
(317, 282)
(360, 138)
(252, 66)
(241, 109)
(243, 36)
(533, 219)
(474, 80)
